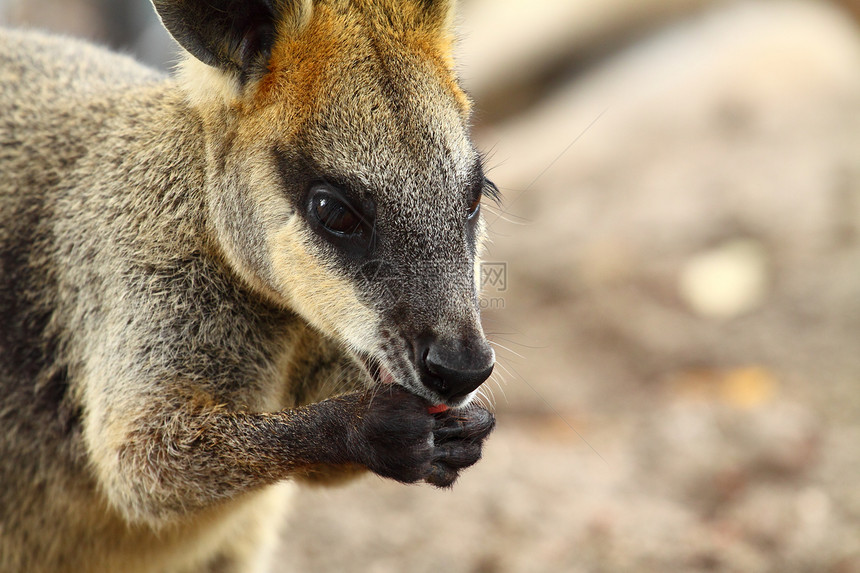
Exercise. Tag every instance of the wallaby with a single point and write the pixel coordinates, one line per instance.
(258, 271)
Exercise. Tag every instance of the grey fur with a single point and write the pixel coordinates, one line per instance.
(177, 340)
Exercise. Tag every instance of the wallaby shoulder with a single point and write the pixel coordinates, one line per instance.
(62, 100)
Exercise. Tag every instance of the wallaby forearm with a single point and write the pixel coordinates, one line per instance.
(188, 459)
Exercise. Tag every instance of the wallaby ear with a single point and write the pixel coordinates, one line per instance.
(235, 36)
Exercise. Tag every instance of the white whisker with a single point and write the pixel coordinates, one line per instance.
(503, 347)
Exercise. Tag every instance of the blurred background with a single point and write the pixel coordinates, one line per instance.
(673, 287)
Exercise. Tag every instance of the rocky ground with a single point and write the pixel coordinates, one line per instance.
(679, 379)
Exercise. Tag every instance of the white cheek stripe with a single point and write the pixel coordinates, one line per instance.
(323, 298)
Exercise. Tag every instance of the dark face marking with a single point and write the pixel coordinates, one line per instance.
(391, 251)
(385, 186)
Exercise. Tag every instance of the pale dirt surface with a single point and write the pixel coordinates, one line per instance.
(679, 378)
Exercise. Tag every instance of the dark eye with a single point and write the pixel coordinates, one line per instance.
(334, 214)
(474, 207)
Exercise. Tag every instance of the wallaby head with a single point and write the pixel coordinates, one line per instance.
(342, 181)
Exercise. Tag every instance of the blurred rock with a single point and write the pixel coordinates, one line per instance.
(512, 54)
(129, 26)
(704, 129)
(80, 18)
(727, 281)
(739, 122)
(743, 388)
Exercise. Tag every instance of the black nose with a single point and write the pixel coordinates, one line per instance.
(455, 369)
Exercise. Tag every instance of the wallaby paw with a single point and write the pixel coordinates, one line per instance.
(396, 437)
(458, 439)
